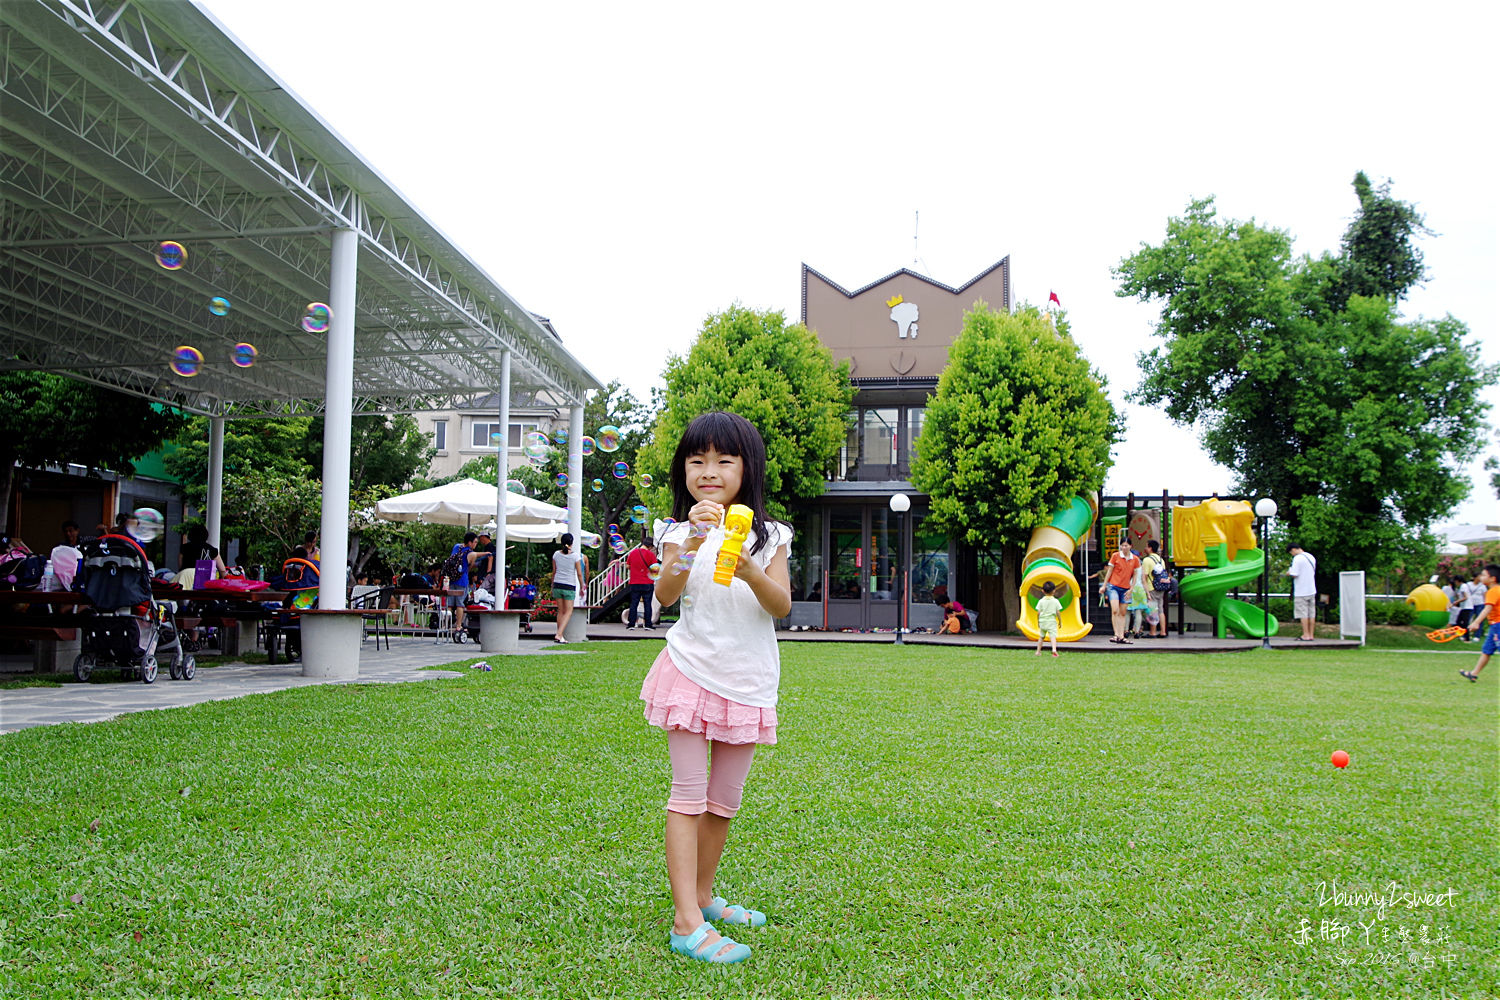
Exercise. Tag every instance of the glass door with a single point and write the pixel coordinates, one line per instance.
(846, 567)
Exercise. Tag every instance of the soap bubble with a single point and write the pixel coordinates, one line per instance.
(639, 513)
(617, 545)
(687, 601)
(317, 317)
(614, 529)
(586, 445)
(186, 361)
(597, 486)
(621, 470)
(700, 529)
(495, 437)
(218, 305)
(515, 486)
(149, 524)
(536, 446)
(560, 435)
(562, 479)
(685, 560)
(243, 355)
(645, 480)
(609, 438)
(171, 256)
(654, 571)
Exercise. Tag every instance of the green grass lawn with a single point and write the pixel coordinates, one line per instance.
(934, 822)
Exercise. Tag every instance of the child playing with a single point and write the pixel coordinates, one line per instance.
(950, 624)
(1139, 607)
(714, 686)
(1489, 617)
(1046, 617)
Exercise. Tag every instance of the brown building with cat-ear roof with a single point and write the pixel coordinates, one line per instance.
(895, 332)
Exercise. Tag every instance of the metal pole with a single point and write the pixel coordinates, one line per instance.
(1265, 627)
(338, 419)
(900, 577)
(214, 515)
(502, 473)
(578, 624)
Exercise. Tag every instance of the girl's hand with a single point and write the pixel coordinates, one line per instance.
(747, 569)
(706, 513)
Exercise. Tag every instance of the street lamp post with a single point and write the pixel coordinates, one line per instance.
(1265, 509)
(900, 503)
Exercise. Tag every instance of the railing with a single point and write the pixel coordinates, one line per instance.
(605, 585)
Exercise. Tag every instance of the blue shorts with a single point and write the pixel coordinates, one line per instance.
(1491, 640)
(564, 594)
(1121, 594)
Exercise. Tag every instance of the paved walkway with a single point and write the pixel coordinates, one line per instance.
(23, 708)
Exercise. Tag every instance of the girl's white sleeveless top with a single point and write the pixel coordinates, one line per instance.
(725, 642)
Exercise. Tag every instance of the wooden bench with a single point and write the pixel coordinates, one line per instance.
(54, 637)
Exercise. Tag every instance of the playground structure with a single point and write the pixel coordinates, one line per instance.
(1431, 605)
(1049, 557)
(1218, 535)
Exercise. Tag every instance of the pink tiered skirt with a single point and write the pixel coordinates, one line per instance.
(675, 702)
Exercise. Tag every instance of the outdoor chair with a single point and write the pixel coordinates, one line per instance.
(377, 620)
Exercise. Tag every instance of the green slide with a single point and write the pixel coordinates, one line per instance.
(1207, 590)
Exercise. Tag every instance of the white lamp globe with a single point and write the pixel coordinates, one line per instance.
(900, 503)
(1265, 507)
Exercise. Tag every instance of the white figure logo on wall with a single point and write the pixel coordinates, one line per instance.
(904, 315)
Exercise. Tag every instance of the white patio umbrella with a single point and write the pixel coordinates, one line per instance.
(469, 501)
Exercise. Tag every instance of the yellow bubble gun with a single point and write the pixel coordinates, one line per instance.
(737, 520)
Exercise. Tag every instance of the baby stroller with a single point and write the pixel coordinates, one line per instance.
(125, 628)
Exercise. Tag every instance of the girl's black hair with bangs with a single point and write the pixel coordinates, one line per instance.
(727, 434)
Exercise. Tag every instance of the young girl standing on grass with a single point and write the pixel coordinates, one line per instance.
(714, 685)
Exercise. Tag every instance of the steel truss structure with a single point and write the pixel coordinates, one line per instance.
(124, 123)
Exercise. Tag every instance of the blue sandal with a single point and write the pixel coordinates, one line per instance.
(733, 913)
(693, 946)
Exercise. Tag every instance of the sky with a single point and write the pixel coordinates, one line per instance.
(627, 170)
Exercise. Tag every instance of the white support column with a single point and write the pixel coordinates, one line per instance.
(578, 624)
(502, 473)
(341, 648)
(215, 512)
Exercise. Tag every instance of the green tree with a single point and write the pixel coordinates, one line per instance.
(271, 511)
(1019, 425)
(383, 450)
(776, 375)
(1380, 258)
(1356, 422)
(48, 419)
(274, 448)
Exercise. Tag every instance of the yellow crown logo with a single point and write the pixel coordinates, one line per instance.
(893, 302)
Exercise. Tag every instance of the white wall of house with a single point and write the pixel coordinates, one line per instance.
(463, 435)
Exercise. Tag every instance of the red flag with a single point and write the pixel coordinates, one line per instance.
(1052, 297)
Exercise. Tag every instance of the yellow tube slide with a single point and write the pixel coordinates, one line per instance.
(1049, 557)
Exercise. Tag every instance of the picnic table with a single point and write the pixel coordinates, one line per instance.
(55, 633)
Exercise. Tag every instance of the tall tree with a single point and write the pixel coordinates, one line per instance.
(47, 419)
(773, 373)
(1020, 424)
(1380, 257)
(276, 448)
(1357, 423)
(383, 450)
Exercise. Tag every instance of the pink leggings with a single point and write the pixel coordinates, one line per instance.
(694, 789)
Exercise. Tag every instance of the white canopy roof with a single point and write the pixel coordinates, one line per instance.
(468, 502)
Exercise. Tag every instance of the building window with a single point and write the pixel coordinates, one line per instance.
(880, 437)
(482, 435)
(518, 432)
(914, 417)
(440, 435)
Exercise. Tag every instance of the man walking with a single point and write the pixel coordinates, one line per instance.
(639, 562)
(1304, 589)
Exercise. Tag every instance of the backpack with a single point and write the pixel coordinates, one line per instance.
(24, 573)
(453, 566)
